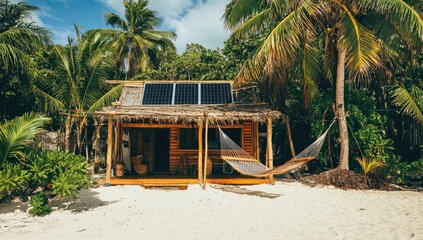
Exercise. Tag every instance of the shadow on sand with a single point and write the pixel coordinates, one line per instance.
(244, 191)
(87, 200)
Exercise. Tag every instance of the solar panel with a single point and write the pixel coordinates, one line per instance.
(158, 94)
(186, 93)
(216, 93)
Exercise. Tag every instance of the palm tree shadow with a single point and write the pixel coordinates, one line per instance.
(244, 191)
(87, 200)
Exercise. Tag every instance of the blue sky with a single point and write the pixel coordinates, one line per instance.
(195, 21)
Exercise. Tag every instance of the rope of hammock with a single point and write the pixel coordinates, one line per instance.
(246, 164)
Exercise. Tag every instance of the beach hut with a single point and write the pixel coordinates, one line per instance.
(157, 133)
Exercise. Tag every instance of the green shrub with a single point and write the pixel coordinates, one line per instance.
(40, 204)
(64, 173)
(415, 171)
(404, 173)
(13, 177)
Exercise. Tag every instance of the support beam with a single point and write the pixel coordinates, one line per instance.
(206, 153)
(269, 148)
(109, 149)
(200, 152)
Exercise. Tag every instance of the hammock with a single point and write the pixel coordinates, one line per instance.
(246, 164)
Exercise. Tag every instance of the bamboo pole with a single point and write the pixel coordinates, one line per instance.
(200, 152)
(206, 153)
(269, 151)
(109, 149)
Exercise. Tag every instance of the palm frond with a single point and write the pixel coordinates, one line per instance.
(115, 21)
(94, 78)
(16, 134)
(256, 23)
(401, 14)
(25, 36)
(107, 98)
(50, 102)
(282, 44)
(310, 69)
(12, 57)
(409, 101)
(156, 34)
(360, 44)
(238, 11)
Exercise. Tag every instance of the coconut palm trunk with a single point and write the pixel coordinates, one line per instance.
(340, 108)
(68, 126)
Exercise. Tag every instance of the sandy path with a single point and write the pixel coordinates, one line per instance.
(283, 211)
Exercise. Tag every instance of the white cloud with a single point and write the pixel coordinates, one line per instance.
(170, 9)
(115, 5)
(201, 24)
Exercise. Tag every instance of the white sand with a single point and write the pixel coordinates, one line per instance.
(282, 211)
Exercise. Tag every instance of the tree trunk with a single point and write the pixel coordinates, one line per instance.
(96, 142)
(78, 137)
(67, 133)
(288, 130)
(340, 107)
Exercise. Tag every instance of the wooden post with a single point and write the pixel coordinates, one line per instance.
(206, 153)
(269, 148)
(116, 151)
(109, 149)
(200, 152)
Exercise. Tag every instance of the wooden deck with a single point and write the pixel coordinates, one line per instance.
(172, 180)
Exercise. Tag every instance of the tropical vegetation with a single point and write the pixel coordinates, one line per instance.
(336, 41)
(359, 61)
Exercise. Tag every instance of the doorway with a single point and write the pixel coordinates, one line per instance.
(161, 150)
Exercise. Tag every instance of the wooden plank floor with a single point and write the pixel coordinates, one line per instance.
(171, 179)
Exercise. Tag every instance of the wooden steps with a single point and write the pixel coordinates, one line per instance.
(180, 186)
(166, 180)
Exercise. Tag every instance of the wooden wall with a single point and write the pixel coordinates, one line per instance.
(177, 154)
(175, 158)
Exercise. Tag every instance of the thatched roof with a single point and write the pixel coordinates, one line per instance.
(223, 114)
(129, 108)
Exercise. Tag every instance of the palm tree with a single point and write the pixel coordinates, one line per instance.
(18, 37)
(303, 30)
(81, 88)
(136, 40)
(16, 134)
